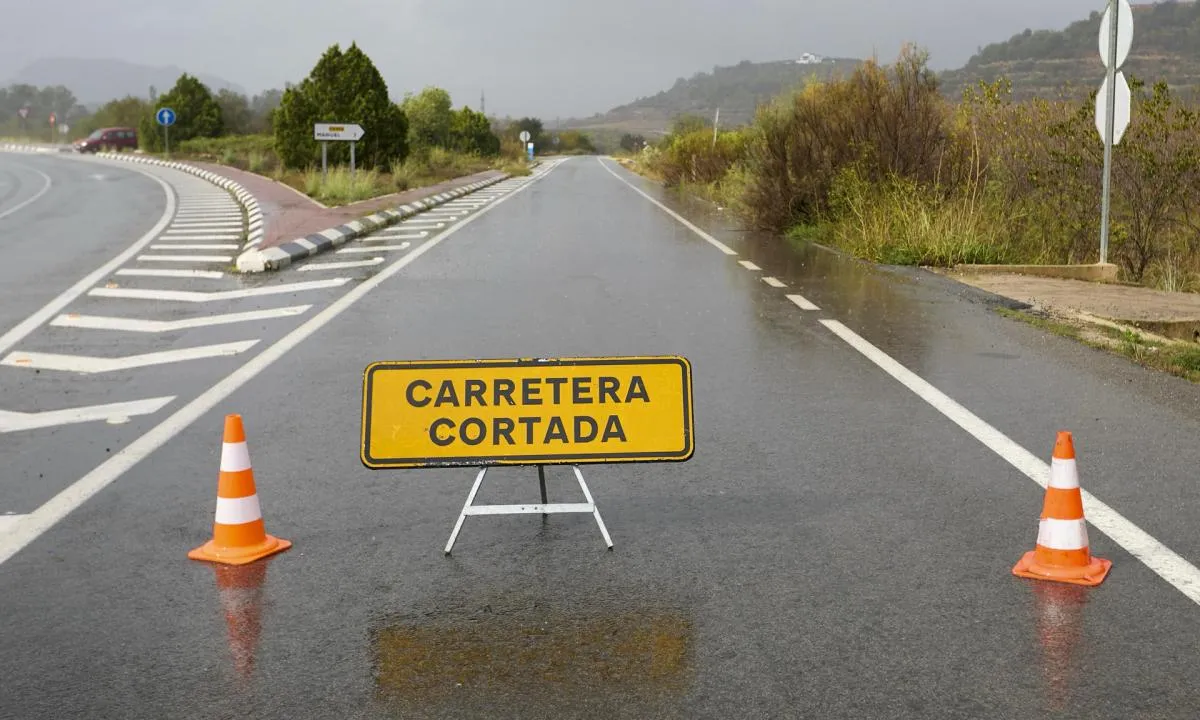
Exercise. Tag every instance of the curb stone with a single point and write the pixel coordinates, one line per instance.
(255, 260)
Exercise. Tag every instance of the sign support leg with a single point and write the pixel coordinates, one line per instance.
(351, 159)
(324, 162)
(466, 507)
(544, 508)
(542, 482)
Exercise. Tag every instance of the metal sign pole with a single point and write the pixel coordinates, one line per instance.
(1109, 128)
(324, 161)
(167, 138)
(352, 143)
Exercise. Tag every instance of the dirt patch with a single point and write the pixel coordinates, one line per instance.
(1123, 303)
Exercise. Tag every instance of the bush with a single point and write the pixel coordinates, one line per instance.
(695, 158)
(197, 115)
(342, 87)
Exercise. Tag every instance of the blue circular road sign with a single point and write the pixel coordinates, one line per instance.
(165, 117)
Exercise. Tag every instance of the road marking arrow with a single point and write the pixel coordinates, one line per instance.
(87, 365)
(199, 296)
(11, 421)
(97, 322)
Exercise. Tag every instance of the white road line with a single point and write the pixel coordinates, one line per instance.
(1181, 574)
(310, 267)
(206, 225)
(11, 421)
(47, 311)
(95, 322)
(182, 246)
(185, 258)
(62, 504)
(198, 238)
(189, 232)
(373, 248)
(396, 236)
(681, 219)
(774, 282)
(198, 215)
(8, 522)
(749, 265)
(88, 365)
(421, 226)
(196, 296)
(48, 183)
(199, 274)
(802, 302)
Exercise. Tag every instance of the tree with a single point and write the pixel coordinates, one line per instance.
(342, 87)
(471, 132)
(527, 124)
(632, 143)
(235, 111)
(197, 114)
(125, 112)
(262, 110)
(429, 118)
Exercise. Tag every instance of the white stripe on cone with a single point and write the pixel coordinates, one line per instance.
(1062, 534)
(237, 511)
(235, 457)
(1064, 474)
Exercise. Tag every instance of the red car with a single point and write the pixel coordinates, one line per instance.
(115, 138)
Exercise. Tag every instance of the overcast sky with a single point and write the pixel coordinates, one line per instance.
(543, 57)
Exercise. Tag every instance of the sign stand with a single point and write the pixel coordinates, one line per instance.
(545, 508)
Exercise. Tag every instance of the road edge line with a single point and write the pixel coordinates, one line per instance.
(1152, 553)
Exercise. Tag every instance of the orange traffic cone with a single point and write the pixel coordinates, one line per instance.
(239, 536)
(1062, 553)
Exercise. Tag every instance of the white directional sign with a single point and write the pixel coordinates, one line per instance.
(1122, 108)
(336, 131)
(1124, 33)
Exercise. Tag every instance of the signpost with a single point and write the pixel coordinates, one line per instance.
(52, 119)
(487, 413)
(337, 132)
(1113, 103)
(166, 118)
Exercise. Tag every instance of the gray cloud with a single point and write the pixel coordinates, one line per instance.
(531, 56)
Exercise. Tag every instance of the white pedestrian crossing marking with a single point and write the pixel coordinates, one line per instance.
(199, 296)
(185, 258)
(200, 274)
(310, 267)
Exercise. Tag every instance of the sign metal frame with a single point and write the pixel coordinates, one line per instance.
(484, 463)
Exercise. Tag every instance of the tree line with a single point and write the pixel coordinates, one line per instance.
(343, 86)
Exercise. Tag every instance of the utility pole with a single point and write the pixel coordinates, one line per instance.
(482, 103)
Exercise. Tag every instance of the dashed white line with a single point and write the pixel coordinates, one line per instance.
(681, 219)
(96, 322)
(199, 274)
(774, 282)
(200, 296)
(185, 258)
(310, 267)
(1168, 564)
(802, 302)
(749, 265)
(11, 421)
(88, 365)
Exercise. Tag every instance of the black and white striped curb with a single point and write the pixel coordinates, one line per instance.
(257, 260)
(254, 216)
(21, 147)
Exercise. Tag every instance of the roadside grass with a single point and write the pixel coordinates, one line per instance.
(340, 187)
(1176, 358)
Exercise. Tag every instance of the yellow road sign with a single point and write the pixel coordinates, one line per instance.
(527, 412)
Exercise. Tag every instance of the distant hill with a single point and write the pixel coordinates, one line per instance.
(736, 90)
(1040, 63)
(95, 82)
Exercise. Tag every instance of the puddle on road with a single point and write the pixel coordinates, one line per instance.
(535, 660)
(1058, 625)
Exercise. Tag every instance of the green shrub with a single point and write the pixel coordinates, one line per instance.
(197, 115)
(340, 188)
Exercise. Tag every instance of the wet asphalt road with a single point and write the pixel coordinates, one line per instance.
(83, 214)
(836, 547)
